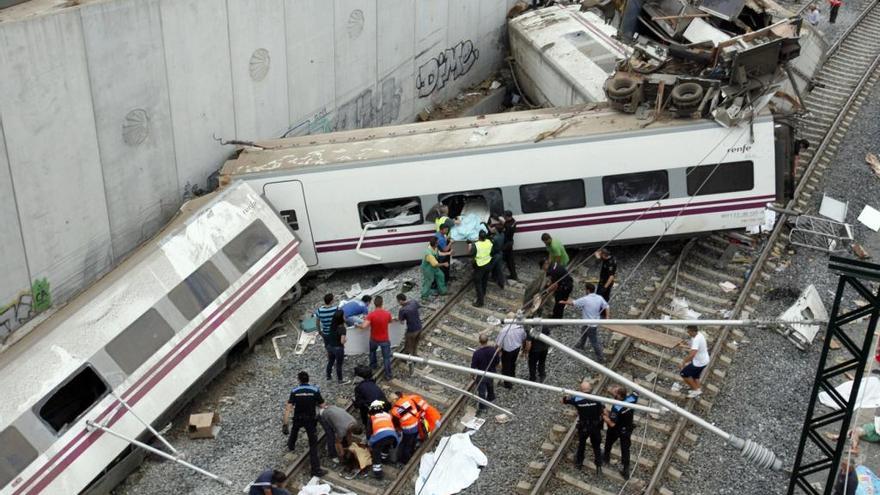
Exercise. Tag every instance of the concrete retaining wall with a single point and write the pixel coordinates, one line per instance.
(109, 110)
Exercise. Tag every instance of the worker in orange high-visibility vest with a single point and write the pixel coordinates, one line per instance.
(406, 414)
(429, 417)
(383, 436)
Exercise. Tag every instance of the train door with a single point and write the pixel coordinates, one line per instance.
(289, 199)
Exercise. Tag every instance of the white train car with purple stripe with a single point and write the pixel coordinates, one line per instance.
(585, 176)
(149, 333)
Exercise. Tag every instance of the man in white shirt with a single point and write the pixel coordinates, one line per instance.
(695, 362)
(592, 307)
(510, 340)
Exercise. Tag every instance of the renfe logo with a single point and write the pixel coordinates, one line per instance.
(740, 149)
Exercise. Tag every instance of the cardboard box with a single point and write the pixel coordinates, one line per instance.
(362, 454)
(203, 425)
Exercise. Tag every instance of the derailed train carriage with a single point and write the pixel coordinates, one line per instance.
(152, 332)
(584, 175)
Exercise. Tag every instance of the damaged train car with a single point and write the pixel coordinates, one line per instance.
(721, 59)
(363, 197)
(139, 343)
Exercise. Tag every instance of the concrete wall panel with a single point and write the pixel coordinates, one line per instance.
(126, 64)
(53, 153)
(259, 68)
(310, 58)
(200, 84)
(14, 277)
(355, 47)
(395, 35)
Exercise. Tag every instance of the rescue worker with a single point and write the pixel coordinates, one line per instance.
(509, 226)
(383, 436)
(339, 427)
(430, 417)
(269, 482)
(556, 252)
(620, 426)
(497, 264)
(443, 218)
(482, 265)
(444, 252)
(431, 270)
(589, 425)
(365, 393)
(406, 414)
(303, 401)
(607, 273)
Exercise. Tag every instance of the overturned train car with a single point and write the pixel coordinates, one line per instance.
(585, 175)
(151, 333)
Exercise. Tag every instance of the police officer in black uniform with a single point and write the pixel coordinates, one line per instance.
(560, 284)
(589, 425)
(303, 401)
(607, 273)
(620, 426)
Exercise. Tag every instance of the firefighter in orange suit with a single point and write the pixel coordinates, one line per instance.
(407, 415)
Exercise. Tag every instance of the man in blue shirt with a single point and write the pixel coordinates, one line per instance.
(444, 249)
(355, 310)
(592, 307)
(325, 316)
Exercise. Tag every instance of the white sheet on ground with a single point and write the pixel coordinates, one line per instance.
(456, 468)
(869, 393)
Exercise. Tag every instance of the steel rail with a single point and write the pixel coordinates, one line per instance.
(666, 457)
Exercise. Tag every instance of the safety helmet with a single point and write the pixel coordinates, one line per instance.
(377, 406)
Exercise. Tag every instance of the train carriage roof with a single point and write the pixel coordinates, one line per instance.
(435, 137)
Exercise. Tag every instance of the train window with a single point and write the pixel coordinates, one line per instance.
(289, 216)
(16, 453)
(73, 399)
(198, 290)
(720, 178)
(139, 341)
(391, 212)
(632, 188)
(552, 196)
(478, 201)
(253, 243)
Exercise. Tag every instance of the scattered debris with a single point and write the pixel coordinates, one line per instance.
(860, 251)
(727, 286)
(275, 340)
(473, 422)
(809, 306)
(502, 418)
(820, 233)
(868, 396)
(874, 162)
(203, 425)
(680, 308)
(869, 217)
(226, 400)
(834, 344)
(833, 209)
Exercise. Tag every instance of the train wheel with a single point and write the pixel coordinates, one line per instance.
(296, 293)
(621, 88)
(687, 95)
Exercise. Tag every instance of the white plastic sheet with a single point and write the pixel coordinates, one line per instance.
(868, 398)
(457, 466)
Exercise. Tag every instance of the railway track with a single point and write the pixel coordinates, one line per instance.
(660, 447)
(450, 333)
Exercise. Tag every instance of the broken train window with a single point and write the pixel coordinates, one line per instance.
(72, 400)
(552, 196)
(390, 212)
(481, 202)
(632, 188)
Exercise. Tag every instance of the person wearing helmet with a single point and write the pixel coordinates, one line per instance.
(383, 436)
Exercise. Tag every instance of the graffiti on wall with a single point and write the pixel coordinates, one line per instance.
(24, 307)
(369, 108)
(448, 65)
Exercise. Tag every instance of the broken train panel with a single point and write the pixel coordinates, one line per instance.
(149, 332)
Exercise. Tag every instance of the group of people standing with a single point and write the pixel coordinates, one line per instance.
(813, 16)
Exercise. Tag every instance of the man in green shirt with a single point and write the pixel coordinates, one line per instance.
(555, 251)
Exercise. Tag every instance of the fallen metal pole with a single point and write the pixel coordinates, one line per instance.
(512, 379)
(465, 392)
(147, 425)
(92, 424)
(679, 323)
(748, 449)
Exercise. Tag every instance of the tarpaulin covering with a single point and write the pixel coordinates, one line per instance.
(869, 393)
(452, 467)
